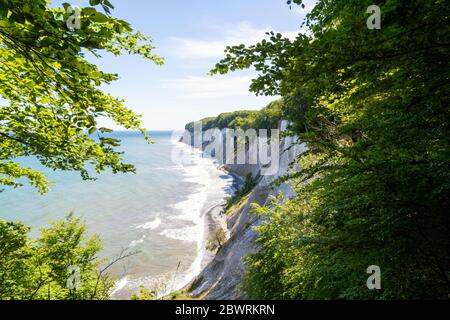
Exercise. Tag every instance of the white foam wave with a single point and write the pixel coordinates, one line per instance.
(204, 174)
(120, 285)
(191, 210)
(150, 225)
(169, 168)
(188, 234)
(136, 242)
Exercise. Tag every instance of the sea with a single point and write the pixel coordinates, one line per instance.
(158, 214)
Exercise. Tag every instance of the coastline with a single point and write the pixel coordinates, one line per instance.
(220, 279)
(204, 206)
(214, 218)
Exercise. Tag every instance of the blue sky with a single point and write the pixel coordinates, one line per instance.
(191, 36)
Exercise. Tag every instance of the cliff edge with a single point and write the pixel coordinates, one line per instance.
(221, 277)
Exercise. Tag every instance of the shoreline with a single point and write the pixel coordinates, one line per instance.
(214, 217)
(211, 216)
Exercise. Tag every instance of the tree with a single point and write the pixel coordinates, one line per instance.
(51, 95)
(372, 106)
(144, 294)
(217, 240)
(17, 272)
(42, 269)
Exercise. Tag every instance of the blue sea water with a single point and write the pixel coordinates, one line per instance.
(159, 211)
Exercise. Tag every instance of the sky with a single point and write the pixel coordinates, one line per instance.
(191, 36)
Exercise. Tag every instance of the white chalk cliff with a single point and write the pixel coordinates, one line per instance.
(221, 277)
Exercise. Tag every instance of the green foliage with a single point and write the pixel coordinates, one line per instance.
(372, 106)
(267, 118)
(249, 184)
(40, 269)
(144, 294)
(224, 120)
(157, 290)
(51, 95)
(217, 240)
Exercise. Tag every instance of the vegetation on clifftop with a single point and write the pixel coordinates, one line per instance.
(266, 118)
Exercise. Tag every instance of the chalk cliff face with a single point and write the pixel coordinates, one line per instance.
(221, 277)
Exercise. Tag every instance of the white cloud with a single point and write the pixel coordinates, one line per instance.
(207, 87)
(243, 33)
(199, 49)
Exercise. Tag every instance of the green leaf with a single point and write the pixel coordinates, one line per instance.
(99, 18)
(94, 2)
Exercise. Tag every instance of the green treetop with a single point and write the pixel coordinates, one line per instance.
(51, 96)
